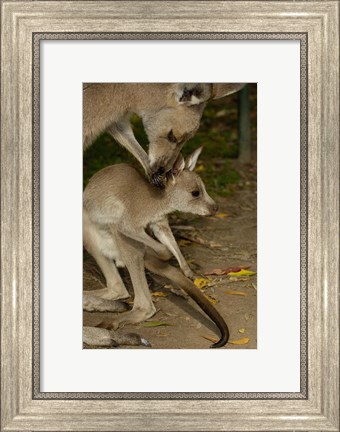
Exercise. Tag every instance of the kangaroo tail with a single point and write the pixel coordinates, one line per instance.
(162, 268)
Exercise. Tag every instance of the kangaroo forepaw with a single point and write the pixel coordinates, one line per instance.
(189, 273)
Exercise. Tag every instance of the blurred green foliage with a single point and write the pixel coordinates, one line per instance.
(217, 133)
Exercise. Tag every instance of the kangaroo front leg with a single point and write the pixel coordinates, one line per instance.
(164, 234)
(141, 236)
(123, 133)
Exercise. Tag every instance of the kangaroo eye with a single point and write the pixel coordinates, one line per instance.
(195, 193)
(171, 137)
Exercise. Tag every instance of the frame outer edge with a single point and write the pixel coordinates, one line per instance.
(9, 220)
(330, 226)
(13, 225)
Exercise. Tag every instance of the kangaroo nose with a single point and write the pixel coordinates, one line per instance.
(161, 170)
(214, 208)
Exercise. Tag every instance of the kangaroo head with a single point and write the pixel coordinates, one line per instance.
(187, 190)
(170, 127)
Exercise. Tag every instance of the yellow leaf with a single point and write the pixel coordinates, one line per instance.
(211, 339)
(200, 282)
(159, 294)
(240, 293)
(200, 168)
(242, 341)
(242, 330)
(183, 242)
(221, 215)
(211, 299)
(242, 272)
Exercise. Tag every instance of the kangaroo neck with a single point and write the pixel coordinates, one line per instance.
(160, 204)
(148, 102)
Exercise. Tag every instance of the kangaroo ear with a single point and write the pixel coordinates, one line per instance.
(220, 90)
(192, 159)
(178, 166)
(192, 94)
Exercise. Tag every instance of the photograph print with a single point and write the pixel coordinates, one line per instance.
(169, 215)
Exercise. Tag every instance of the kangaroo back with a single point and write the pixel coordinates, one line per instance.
(117, 191)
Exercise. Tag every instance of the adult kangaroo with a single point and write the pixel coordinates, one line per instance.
(171, 115)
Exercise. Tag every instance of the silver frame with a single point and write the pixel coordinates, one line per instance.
(316, 25)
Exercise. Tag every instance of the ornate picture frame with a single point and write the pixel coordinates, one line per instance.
(316, 26)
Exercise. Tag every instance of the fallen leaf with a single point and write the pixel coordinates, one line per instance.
(226, 271)
(183, 242)
(217, 272)
(242, 279)
(242, 341)
(211, 299)
(155, 324)
(254, 286)
(242, 330)
(213, 245)
(200, 282)
(200, 168)
(221, 113)
(212, 282)
(159, 294)
(242, 272)
(240, 293)
(221, 215)
(211, 339)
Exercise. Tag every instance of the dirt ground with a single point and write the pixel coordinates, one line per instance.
(224, 241)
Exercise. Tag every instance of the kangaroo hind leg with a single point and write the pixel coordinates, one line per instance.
(101, 246)
(132, 253)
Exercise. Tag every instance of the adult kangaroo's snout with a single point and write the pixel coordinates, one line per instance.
(160, 166)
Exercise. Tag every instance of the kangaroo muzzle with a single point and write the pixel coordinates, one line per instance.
(160, 167)
(213, 208)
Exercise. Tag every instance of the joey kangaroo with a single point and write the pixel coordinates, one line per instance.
(119, 204)
(171, 115)
(120, 196)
